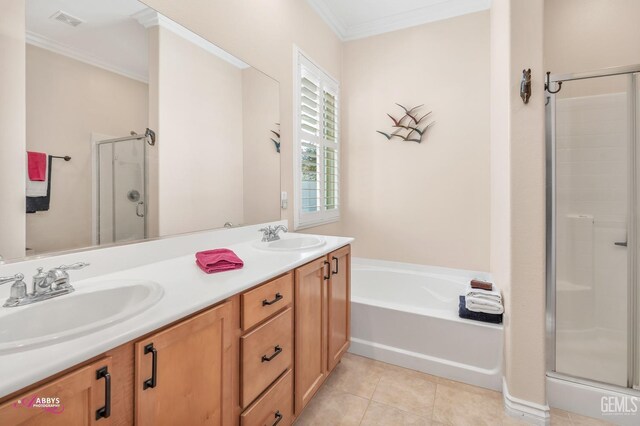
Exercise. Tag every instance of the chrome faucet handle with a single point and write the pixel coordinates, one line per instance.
(16, 277)
(277, 229)
(18, 289)
(75, 266)
(267, 233)
(60, 277)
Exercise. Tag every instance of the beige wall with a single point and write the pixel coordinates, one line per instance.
(12, 129)
(261, 161)
(423, 203)
(518, 204)
(263, 34)
(199, 137)
(67, 100)
(585, 35)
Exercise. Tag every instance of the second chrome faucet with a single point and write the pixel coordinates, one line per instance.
(270, 233)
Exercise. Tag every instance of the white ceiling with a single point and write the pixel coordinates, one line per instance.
(352, 19)
(109, 36)
(113, 35)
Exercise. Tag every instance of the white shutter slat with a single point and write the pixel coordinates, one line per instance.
(318, 156)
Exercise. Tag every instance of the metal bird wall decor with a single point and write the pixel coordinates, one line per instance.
(276, 138)
(408, 127)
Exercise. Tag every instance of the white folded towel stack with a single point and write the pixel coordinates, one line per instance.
(487, 301)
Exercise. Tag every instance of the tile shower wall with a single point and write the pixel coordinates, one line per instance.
(591, 172)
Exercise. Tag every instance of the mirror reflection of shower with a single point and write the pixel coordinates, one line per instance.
(120, 187)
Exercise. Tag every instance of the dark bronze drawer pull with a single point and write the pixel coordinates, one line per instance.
(104, 412)
(151, 383)
(278, 418)
(277, 349)
(266, 302)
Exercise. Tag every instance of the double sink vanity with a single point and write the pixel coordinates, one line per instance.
(161, 342)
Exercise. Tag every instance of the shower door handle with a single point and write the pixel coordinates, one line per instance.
(138, 213)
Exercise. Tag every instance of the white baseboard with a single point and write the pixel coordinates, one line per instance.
(587, 400)
(527, 411)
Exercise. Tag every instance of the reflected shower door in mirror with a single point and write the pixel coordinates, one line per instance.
(98, 73)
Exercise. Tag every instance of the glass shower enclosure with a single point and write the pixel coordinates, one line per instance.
(121, 190)
(592, 196)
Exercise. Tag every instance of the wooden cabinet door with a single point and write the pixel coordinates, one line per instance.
(191, 383)
(75, 399)
(339, 306)
(310, 330)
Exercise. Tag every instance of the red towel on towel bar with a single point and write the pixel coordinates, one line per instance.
(218, 260)
(37, 165)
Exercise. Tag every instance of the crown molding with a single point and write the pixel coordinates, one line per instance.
(70, 52)
(150, 18)
(330, 18)
(432, 13)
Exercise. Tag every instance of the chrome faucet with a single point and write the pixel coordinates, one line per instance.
(270, 233)
(44, 286)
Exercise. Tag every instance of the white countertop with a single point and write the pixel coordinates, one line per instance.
(187, 289)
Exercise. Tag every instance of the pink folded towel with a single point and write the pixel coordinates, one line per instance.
(218, 260)
(37, 165)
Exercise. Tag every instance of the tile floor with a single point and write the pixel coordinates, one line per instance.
(361, 391)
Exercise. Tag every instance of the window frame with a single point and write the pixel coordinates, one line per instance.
(302, 219)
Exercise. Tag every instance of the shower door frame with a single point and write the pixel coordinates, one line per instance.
(633, 350)
(96, 146)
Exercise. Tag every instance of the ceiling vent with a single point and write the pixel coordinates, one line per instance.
(66, 18)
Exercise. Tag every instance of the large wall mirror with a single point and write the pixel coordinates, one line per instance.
(146, 128)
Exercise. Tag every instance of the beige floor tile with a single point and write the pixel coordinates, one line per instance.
(454, 406)
(356, 375)
(406, 390)
(556, 412)
(507, 420)
(470, 388)
(333, 407)
(560, 418)
(579, 420)
(384, 415)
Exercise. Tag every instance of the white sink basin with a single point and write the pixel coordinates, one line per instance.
(78, 313)
(288, 242)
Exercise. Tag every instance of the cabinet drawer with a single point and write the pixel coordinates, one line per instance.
(266, 354)
(276, 405)
(262, 302)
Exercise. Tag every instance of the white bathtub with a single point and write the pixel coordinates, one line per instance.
(407, 315)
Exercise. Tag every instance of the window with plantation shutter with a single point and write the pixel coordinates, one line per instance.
(317, 154)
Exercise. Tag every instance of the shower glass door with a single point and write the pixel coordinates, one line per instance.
(593, 207)
(121, 190)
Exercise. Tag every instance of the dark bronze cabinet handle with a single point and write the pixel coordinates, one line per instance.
(335, 259)
(276, 351)
(326, 277)
(266, 302)
(104, 412)
(278, 418)
(152, 382)
(620, 243)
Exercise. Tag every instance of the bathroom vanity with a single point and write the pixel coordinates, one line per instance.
(252, 356)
